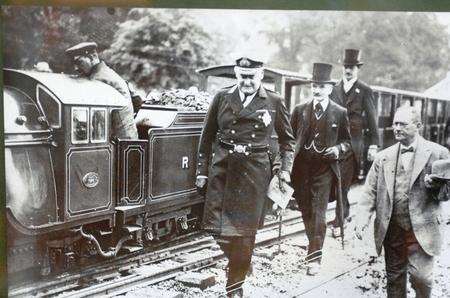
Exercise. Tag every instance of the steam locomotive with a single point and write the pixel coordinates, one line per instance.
(72, 192)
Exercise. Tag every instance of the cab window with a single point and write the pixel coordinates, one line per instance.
(98, 125)
(51, 107)
(79, 125)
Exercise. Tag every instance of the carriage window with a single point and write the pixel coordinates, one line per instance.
(440, 111)
(50, 106)
(98, 125)
(406, 100)
(431, 111)
(79, 125)
(386, 105)
(418, 105)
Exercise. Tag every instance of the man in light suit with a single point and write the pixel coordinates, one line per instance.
(401, 192)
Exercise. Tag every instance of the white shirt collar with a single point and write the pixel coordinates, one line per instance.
(413, 145)
(249, 97)
(324, 103)
(348, 84)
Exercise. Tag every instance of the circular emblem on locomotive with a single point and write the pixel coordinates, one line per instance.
(91, 179)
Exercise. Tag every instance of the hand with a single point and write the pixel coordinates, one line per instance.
(432, 181)
(332, 152)
(358, 231)
(371, 152)
(283, 177)
(201, 182)
(276, 209)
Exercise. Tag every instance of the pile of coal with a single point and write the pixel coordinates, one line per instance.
(184, 99)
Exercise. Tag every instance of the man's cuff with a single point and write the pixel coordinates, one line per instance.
(373, 146)
(202, 176)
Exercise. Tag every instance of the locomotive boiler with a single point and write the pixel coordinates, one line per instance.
(72, 191)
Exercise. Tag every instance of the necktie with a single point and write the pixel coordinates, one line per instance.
(407, 149)
(318, 110)
(245, 100)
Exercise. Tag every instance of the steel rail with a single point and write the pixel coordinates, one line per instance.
(265, 237)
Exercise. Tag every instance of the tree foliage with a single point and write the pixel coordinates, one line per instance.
(32, 34)
(400, 50)
(160, 49)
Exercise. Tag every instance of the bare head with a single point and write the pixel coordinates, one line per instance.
(407, 124)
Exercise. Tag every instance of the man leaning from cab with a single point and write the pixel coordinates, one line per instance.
(87, 64)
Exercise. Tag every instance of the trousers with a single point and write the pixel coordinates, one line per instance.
(238, 250)
(312, 198)
(404, 255)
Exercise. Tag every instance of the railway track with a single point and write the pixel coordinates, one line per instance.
(151, 267)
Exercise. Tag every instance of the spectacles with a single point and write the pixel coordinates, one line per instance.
(400, 124)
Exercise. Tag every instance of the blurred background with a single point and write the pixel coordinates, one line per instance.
(160, 49)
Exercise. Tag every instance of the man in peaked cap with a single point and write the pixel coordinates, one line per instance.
(87, 63)
(320, 127)
(357, 97)
(236, 171)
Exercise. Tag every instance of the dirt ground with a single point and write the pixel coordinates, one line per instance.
(344, 273)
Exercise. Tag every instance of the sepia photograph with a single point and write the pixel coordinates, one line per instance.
(189, 152)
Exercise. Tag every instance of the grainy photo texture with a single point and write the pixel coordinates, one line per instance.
(226, 153)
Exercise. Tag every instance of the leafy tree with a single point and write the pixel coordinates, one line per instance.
(33, 34)
(400, 50)
(160, 49)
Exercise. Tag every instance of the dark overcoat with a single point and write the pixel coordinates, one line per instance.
(337, 134)
(362, 117)
(237, 183)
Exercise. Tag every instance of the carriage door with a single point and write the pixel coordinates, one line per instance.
(432, 129)
(386, 106)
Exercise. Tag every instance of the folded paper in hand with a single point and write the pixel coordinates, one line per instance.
(277, 195)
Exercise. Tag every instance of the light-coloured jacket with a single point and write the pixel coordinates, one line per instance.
(424, 208)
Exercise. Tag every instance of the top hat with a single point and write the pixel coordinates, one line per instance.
(322, 73)
(81, 49)
(245, 62)
(351, 57)
(441, 168)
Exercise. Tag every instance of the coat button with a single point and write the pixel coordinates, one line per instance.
(230, 151)
(253, 135)
(256, 126)
(233, 131)
(234, 121)
(232, 141)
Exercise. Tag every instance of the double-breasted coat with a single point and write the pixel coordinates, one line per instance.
(362, 117)
(237, 183)
(424, 208)
(337, 134)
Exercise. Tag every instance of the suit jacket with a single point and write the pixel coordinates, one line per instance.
(237, 183)
(424, 209)
(122, 119)
(337, 134)
(362, 117)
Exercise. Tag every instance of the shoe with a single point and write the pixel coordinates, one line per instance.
(335, 232)
(237, 293)
(313, 268)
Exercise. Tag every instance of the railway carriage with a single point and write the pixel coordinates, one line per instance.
(295, 88)
(72, 191)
